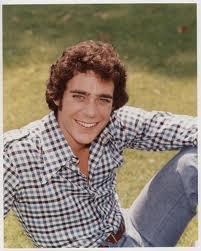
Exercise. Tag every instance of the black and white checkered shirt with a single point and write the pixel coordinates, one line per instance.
(57, 205)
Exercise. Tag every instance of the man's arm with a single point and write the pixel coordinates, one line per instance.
(10, 184)
(11, 178)
(156, 131)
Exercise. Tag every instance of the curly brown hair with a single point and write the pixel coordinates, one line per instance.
(99, 57)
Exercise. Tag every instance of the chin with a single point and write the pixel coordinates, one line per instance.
(87, 141)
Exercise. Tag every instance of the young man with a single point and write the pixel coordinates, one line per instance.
(59, 174)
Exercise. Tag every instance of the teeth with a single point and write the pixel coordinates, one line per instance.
(87, 125)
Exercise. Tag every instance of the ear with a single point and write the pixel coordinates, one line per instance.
(56, 102)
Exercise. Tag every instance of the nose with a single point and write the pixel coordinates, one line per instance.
(91, 109)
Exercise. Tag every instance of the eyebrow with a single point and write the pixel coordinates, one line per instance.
(103, 95)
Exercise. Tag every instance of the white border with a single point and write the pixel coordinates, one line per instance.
(199, 115)
(7, 2)
(14, 2)
(1, 134)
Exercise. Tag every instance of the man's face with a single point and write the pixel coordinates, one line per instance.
(86, 108)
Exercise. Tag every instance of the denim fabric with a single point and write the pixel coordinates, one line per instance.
(165, 206)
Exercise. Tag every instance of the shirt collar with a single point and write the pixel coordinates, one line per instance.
(108, 132)
(56, 151)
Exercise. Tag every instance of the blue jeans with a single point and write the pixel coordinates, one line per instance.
(159, 215)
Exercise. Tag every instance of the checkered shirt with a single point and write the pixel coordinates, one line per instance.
(57, 205)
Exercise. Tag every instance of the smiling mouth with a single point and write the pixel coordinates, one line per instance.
(86, 125)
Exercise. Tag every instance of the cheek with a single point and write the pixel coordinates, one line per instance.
(106, 114)
(70, 108)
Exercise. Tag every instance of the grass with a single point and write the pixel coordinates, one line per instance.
(160, 59)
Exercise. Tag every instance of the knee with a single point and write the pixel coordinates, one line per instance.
(187, 170)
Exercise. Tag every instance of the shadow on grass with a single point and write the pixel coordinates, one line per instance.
(159, 37)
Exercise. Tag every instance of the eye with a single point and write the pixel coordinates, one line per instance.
(79, 97)
(105, 100)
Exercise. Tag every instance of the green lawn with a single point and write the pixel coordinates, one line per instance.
(157, 43)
